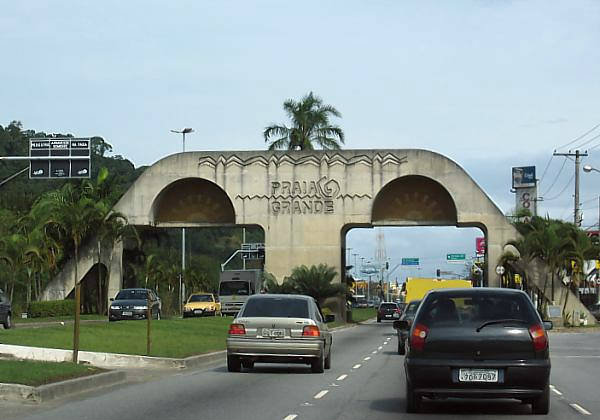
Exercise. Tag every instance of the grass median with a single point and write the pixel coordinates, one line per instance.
(177, 338)
(31, 373)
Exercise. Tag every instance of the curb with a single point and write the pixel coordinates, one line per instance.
(203, 360)
(47, 392)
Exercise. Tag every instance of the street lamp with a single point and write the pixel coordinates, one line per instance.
(588, 168)
(183, 132)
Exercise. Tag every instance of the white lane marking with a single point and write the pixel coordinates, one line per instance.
(385, 343)
(380, 348)
(556, 391)
(388, 339)
(367, 358)
(321, 394)
(356, 366)
(374, 352)
(582, 410)
(342, 377)
(290, 417)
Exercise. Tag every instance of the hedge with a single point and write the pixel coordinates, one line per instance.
(51, 308)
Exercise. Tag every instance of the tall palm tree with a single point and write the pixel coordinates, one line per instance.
(316, 281)
(310, 125)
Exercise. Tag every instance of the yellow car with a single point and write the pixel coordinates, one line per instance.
(200, 304)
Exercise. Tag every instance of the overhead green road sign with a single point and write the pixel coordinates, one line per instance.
(455, 258)
(410, 261)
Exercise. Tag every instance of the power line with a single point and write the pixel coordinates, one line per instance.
(588, 141)
(557, 175)
(580, 137)
(546, 170)
(562, 191)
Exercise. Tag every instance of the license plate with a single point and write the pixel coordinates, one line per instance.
(127, 313)
(273, 333)
(388, 316)
(197, 311)
(478, 375)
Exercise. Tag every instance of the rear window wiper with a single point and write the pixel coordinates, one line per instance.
(500, 321)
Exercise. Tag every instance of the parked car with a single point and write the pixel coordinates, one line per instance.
(595, 310)
(5, 311)
(388, 310)
(408, 316)
(133, 304)
(200, 304)
(279, 329)
(477, 343)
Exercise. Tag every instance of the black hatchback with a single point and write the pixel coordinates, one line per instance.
(133, 304)
(477, 343)
(5, 311)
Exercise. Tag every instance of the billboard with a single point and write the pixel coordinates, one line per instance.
(526, 199)
(523, 177)
(480, 245)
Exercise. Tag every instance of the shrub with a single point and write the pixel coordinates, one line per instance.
(52, 308)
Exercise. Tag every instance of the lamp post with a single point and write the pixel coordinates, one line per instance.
(183, 132)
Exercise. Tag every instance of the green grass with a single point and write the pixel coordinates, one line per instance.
(362, 314)
(175, 338)
(40, 373)
(56, 319)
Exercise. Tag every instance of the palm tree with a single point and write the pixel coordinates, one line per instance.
(310, 125)
(316, 281)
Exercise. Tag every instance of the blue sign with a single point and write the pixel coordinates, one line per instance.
(410, 261)
(523, 177)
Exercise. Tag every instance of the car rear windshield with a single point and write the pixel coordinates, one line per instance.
(132, 294)
(233, 288)
(388, 306)
(201, 298)
(463, 309)
(277, 308)
(412, 307)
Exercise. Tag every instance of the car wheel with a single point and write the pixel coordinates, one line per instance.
(234, 364)
(8, 322)
(328, 360)
(248, 364)
(401, 349)
(317, 365)
(541, 404)
(413, 402)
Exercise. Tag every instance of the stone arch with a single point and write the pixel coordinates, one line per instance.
(193, 200)
(414, 200)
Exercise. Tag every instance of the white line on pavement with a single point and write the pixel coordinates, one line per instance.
(385, 343)
(342, 377)
(290, 417)
(321, 394)
(380, 347)
(374, 352)
(556, 391)
(388, 339)
(367, 358)
(580, 409)
(356, 366)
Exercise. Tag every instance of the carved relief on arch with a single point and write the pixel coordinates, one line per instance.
(193, 200)
(414, 199)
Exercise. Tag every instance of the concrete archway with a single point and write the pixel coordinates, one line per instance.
(305, 201)
(414, 200)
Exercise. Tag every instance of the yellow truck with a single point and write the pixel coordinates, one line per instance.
(417, 287)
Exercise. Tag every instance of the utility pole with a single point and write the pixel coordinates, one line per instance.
(578, 155)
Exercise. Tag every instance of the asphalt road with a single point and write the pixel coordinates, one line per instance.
(365, 382)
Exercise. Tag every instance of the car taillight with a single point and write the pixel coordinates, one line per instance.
(311, 331)
(418, 337)
(398, 311)
(237, 329)
(539, 337)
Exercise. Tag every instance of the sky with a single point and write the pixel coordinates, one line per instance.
(490, 84)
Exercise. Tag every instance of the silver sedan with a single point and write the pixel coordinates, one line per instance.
(279, 329)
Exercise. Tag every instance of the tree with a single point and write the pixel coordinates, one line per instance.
(316, 281)
(310, 125)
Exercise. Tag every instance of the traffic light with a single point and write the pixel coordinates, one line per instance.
(439, 273)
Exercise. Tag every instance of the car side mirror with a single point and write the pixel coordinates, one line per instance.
(401, 325)
(548, 325)
(329, 318)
